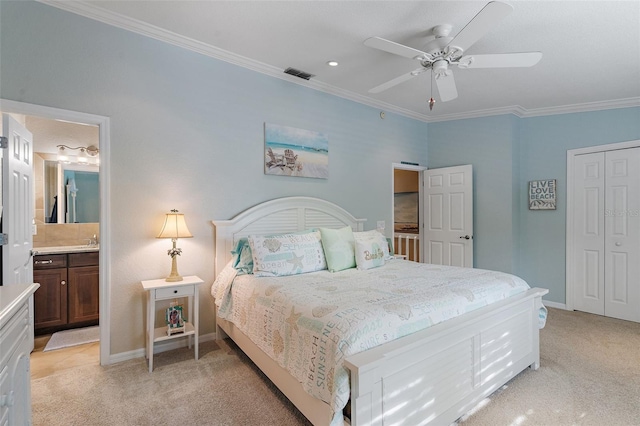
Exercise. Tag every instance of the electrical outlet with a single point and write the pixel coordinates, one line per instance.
(380, 225)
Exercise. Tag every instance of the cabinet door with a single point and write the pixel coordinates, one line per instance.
(84, 288)
(50, 300)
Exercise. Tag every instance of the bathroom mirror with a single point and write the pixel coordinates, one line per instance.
(71, 193)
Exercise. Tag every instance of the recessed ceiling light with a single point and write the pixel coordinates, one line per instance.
(332, 63)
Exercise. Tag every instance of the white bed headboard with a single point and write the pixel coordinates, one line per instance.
(282, 215)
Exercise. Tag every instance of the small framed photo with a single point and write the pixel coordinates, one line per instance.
(174, 319)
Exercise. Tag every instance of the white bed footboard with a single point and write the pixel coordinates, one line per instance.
(438, 374)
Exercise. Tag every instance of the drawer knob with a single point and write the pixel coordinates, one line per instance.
(44, 262)
(175, 291)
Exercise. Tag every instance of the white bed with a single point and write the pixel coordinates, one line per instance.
(434, 375)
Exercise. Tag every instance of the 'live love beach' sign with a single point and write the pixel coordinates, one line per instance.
(542, 194)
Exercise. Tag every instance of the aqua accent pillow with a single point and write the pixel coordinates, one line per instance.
(339, 248)
(287, 254)
(242, 257)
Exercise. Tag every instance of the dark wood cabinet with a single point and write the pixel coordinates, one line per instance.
(69, 290)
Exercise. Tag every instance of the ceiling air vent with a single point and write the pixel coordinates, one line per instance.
(298, 73)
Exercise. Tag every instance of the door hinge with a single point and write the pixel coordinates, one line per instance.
(4, 142)
(4, 239)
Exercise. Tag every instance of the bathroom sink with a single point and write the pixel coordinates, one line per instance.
(64, 249)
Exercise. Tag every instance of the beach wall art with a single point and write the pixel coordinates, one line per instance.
(295, 152)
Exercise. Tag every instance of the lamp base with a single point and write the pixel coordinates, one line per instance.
(174, 275)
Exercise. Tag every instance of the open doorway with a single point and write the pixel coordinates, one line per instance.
(407, 214)
(95, 265)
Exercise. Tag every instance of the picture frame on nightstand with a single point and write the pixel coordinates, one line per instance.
(175, 320)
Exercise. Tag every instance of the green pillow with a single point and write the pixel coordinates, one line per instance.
(339, 248)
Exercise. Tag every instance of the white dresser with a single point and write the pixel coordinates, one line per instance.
(16, 344)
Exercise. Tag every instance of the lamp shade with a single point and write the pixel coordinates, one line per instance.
(174, 226)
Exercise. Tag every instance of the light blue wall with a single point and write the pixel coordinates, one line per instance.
(544, 142)
(488, 145)
(187, 133)
(507, 152)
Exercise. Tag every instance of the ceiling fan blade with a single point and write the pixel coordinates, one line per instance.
(446, 87)
(397, 80)
(501, 60)
(393, 47)
(481, 24)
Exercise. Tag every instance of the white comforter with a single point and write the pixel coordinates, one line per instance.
(309, 323)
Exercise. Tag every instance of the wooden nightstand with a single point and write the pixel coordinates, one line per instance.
(162, 290)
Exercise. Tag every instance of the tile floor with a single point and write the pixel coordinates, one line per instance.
(45, 364)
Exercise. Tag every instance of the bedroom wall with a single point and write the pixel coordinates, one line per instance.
(187, 133)
(507, 152)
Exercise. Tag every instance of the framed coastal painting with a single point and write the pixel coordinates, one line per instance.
(295, 152)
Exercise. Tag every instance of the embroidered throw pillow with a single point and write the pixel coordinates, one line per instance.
(377, 235)
(287, 254)
(369, 252)
(338, 245)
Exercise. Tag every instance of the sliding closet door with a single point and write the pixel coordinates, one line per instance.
(588, 220)
(622, 234)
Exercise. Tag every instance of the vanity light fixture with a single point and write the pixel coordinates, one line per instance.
(174, 227)
(86, 153)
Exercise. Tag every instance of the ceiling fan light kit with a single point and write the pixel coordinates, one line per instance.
(444, 52)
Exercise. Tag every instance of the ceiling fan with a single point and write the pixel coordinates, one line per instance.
(444, 52)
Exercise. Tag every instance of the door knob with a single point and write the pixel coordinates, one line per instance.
(63, 282)
(618, 244)
(466, 237)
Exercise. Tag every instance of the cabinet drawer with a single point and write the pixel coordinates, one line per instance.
(84, 259)
(13, 333)
(48, 261)
(167, 293)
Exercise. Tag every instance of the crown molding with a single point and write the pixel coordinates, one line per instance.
(94, 12)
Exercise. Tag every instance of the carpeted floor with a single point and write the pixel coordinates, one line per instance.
(589, 375)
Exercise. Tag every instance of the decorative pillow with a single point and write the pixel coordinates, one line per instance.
(375, 234)
(369, 252)
(242, 257)
(287, 254)
(338, 245)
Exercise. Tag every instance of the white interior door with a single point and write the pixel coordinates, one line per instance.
(17, 181)
(448, 196)
(622, 234)
(589, 232)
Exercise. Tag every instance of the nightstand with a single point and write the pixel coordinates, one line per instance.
(162, 290)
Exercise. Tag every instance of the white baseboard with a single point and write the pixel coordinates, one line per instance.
(555, 305)
(160, 347)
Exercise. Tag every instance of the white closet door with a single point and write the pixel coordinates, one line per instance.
(589, 254)
(622, 234)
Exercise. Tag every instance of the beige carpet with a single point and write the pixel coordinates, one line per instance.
(590, 375)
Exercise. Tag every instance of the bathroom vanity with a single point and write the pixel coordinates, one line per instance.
(69, 280)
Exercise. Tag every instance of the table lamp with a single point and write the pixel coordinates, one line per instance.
(174, 227)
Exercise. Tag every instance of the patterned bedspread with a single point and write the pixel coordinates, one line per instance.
(309, 323)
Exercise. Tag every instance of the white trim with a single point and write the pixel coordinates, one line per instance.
(571, 154)
(556, 305)
(159, 347)
(105, 200)
(421, 216)
(91, 11)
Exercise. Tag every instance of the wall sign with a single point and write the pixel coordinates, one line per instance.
(542, 194)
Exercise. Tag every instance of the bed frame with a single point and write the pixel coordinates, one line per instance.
(432, 376)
